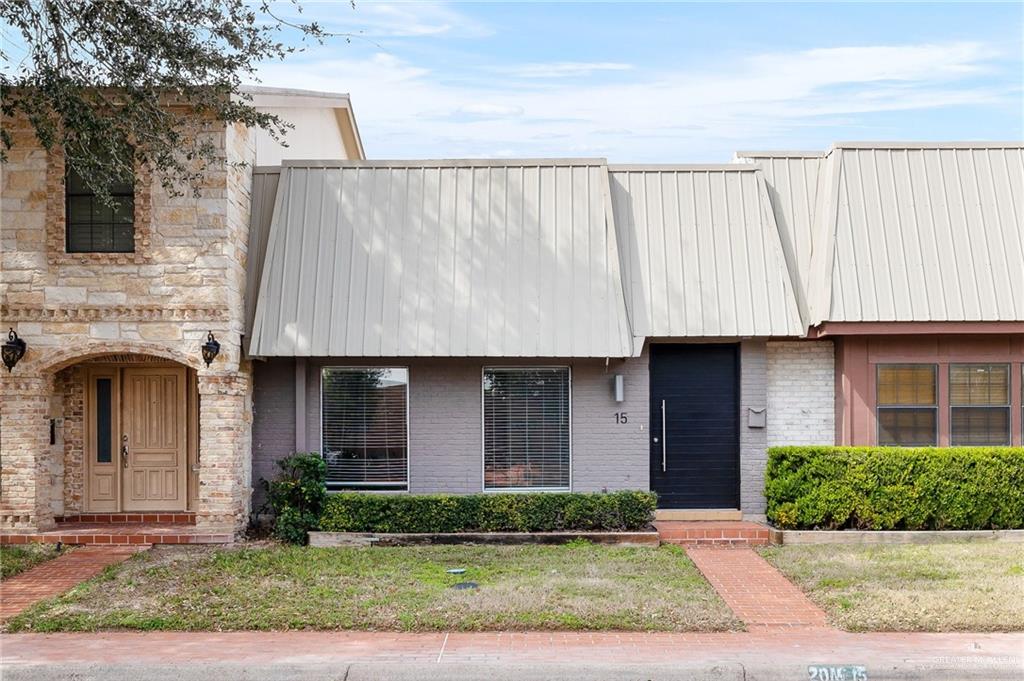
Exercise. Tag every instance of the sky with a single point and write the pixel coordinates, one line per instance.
(664, 82)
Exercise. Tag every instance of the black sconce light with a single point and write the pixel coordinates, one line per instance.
(13, 350)
(211, 348)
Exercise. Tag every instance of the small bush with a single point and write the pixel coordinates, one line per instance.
(526, 512)
(298, 496)
(887, 488)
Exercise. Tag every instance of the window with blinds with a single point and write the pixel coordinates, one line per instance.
(526, 428)
(364, 422)
(907, 404)
(979, 403)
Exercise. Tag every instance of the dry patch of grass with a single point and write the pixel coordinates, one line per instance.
(16, 559)
(272, 587)
(940, 587)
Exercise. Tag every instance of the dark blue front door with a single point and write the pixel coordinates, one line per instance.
(695, 425)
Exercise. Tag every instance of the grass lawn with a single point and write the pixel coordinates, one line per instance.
(269, 586)
(941, 587)
(15, 559)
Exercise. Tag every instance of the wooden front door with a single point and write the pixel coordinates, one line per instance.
(153, 444)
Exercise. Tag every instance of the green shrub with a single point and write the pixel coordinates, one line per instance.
(297, 496)
(886, 488)
(506, 512)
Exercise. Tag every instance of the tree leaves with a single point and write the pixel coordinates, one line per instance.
(118, 83)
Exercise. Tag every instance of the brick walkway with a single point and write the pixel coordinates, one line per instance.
(754, 590)
(58, 575)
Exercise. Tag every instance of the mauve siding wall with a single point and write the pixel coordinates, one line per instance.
(753, 441)
(445, 420)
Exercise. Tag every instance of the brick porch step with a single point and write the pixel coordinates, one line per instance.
(179, 517)
(107, 533)
(712, 532)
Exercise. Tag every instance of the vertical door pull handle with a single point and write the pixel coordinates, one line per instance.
(664, 455)
(124, 450)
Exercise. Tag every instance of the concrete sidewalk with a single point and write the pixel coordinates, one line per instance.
(765, 654)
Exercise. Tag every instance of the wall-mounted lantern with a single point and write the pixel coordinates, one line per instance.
(13, 350)
(619, 388)
(211, 348)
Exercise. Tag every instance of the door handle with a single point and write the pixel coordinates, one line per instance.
(664, 455)
(124, 451)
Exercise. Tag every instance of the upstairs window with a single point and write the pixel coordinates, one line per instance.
(364, 421)
(979, 403)
(94, 227)
(526, 428)
(907, 403)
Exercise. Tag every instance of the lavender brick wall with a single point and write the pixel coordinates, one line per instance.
(273, 426)
(445, 424)
(445, 420)
(753, 441)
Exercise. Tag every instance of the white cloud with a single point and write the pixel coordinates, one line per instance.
(568, 69)
(484, 110)
(408, 110)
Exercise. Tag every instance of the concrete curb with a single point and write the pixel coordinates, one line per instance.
(787, 537)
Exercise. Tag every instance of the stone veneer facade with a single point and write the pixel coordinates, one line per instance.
(186, 277)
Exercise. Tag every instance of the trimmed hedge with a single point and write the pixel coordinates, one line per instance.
(521, 512)
(887, 488)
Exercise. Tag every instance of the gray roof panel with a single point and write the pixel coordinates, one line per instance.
(931, 232)
(399, 259)
(701, 253)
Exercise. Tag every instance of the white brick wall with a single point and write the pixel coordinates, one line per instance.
(801, 393)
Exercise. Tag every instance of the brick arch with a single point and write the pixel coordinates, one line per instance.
(53, 362)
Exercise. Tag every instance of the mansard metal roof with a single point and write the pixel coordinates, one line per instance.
(919, 232)
(701, 252)
(571, 258)
(442, 258)
(792, 178)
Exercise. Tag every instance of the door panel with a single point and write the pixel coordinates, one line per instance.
(102, 443)
(153, 454)
(695, 446)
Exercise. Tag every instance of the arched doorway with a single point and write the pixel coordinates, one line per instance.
(129, 434)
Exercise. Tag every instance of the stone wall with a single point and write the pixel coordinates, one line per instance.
(185, 278)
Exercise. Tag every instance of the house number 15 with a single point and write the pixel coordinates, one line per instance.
(621, 417)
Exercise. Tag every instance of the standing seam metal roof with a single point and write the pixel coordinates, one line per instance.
(701, 252)
(920, 232)
(445, 258)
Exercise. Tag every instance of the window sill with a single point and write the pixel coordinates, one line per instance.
(525, 490)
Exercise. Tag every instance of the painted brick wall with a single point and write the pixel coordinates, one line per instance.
(273, 425)
(801, 393)
(753, 441)
(445, 421)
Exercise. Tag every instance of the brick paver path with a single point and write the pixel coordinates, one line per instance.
(754, 590)
(58, 575)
